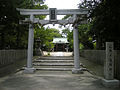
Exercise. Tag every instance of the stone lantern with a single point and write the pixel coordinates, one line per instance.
(38, 48)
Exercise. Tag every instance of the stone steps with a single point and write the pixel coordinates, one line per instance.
(54, 63)
(54, 69)
(55, 58)
(53, 66)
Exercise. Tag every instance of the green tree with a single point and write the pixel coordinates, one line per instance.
(104, 15)
(65, 32)
(9, 18)
(13, 35)
(106, 25)
(84, 37)
(46, 37)
(70, 40)
(50, 34)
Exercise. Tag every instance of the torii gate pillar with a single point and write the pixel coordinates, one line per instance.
(29, 68)
(76, 69)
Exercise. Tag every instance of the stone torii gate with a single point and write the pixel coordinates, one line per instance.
(52, 12)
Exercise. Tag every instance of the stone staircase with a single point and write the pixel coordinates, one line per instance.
(58, 63)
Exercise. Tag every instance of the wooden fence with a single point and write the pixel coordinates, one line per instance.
(11, 60)
(10, 56)
(98, 57)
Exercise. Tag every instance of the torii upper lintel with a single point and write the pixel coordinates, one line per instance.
(59, 11)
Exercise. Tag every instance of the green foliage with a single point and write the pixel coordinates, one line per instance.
(106, 25)
(9, 18)
(84, 37)
(70, 40)
(49, 45)
(65, 32)
(46, 37)
(48, 54)
(13, 35)
(81, 46)
(29, 4)
(91, 4)
(94, 44)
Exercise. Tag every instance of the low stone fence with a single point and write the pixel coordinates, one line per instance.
(98, 57)
(117, 63)
(10, 60)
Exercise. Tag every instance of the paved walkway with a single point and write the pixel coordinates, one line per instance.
(52, 80)
(59, 53)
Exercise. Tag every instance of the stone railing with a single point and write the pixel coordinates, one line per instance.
(98, 57)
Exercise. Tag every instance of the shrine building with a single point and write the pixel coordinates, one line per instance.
(61, 44)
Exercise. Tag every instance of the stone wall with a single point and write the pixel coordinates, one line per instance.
(117, 64)
(11, 60)
(98, 57)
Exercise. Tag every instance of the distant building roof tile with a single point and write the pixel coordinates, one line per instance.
(60, 40)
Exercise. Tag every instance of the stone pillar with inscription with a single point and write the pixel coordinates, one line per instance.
(109, 80)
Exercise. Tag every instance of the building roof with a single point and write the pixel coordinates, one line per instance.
(60, 40)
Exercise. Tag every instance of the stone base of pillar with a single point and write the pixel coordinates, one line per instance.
(29, 70)
(77, 71)
(110, 83)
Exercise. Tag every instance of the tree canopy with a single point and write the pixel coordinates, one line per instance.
(106, 25)
(13, 35)
(46, 36)
(104, 19)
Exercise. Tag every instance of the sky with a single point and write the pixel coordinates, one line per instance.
(61, 4)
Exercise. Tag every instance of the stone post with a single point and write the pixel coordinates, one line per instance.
(109, 80)
(29, 68)
(76, 68)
